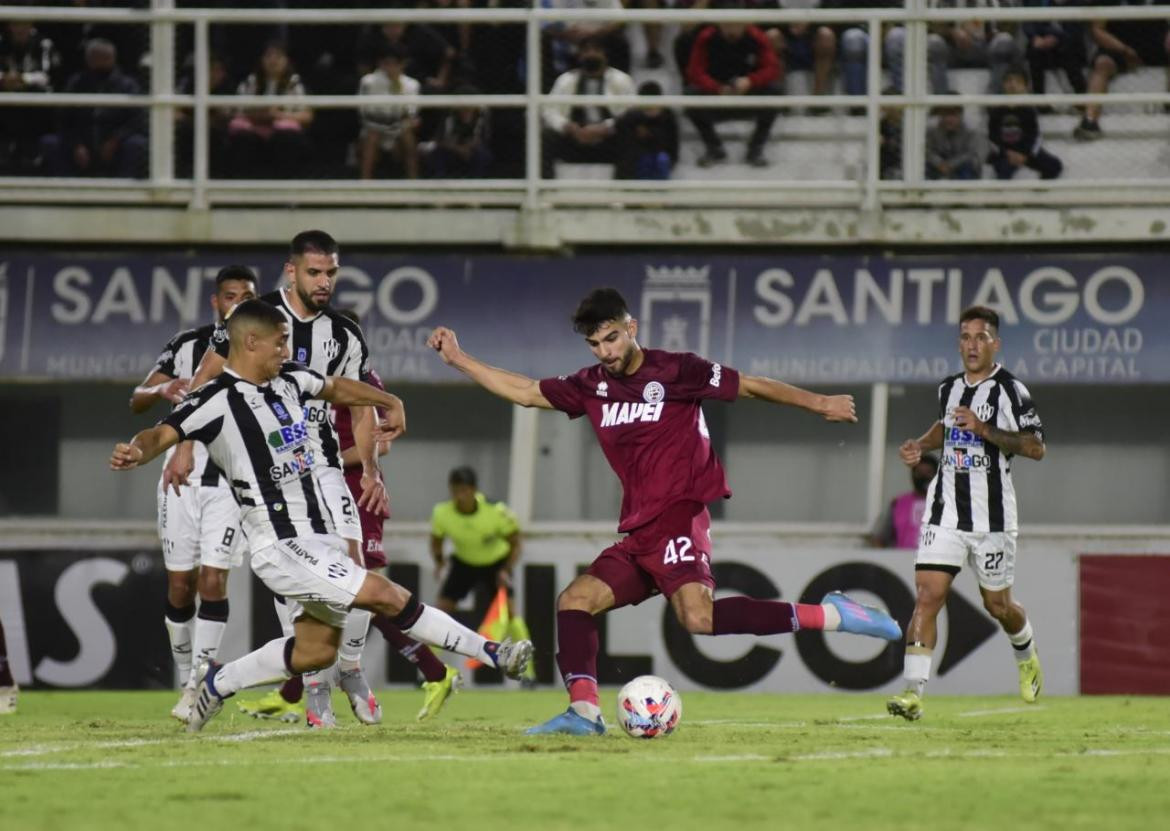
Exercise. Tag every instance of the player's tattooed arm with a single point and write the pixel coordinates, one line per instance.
(145, 446)
(1017, 442)
(831, 407)
(912, 449)
(519, 389)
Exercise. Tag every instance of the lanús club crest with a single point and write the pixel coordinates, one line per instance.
(653, 392)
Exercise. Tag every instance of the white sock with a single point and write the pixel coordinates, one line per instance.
(205, 644)
(286, 625)
(916, 668)
(586, 709)
(442, 630)
(1023, 645)
(264, 666)
(353, 639)
(180, 637)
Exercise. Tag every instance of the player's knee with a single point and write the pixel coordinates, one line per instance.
(310, 656)
(696, 621)
(930, 598)
(577, 598)
(180, 591)
(213, 584)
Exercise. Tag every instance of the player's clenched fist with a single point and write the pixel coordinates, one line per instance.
(911, 452)
(125, 456)
(839, 408)
(443, 341)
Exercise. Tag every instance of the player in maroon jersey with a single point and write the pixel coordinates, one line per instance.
(644, 406)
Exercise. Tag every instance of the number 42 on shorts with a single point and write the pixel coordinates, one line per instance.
(678, 550)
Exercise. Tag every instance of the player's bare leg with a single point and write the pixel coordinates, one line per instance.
(179, 620)
(700, 614)
(931, 588)
(577, 648)
(1014, 620)
(312, 647)
(8, 688)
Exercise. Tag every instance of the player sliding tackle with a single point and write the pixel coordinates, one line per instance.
(252, 419)
(644, 406)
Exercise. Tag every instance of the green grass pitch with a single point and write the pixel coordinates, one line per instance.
(113, 760)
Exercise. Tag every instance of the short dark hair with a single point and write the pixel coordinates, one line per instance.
(314, 242)
(350, 314)
(980, 313)
(463, 476)
(234, 272)
(599, 307)
(254, 313)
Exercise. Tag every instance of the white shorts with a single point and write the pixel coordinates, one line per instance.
(201, 526)
(314, 573)
(340, 503)
(990, 554)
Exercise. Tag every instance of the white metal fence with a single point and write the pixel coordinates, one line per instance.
(860, 187)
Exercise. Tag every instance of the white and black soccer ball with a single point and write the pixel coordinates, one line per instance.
(648, 707)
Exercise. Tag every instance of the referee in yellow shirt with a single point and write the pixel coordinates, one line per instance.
(486, 538)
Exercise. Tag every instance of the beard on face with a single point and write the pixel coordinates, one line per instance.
(311, 303)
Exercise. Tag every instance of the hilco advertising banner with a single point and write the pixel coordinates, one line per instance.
(78, 620)
(1093, 319)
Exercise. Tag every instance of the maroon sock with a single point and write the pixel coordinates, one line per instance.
(748, 616)
(418, 654)
(577, 647)
(292, 689)
(6, 679)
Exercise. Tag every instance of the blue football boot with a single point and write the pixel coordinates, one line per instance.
(860, 619)
(570, 723)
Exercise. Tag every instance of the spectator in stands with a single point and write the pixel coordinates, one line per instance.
(461, 148)
(1055, 44)
(98, 141)
(890, 141)
(1122, 46)
(429, 58)
(270, 142)
(391, 129)
(651, 32)
(28, 63)
(1014, 132)
(809, 46)
(733, 59)
(219, 82)
(978, 43)
(855, 49)
(647, 139)
(585, 134)
(685, 40)
(561, 42)
(952, 148)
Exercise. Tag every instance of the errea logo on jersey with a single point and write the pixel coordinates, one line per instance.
(603, 389)
(627, 412)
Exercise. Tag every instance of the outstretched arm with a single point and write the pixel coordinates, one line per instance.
(912, 449)
(156, 387)
(143, 447)
(519, 389)
(351, 393)
(831, 407)
(1017, 442)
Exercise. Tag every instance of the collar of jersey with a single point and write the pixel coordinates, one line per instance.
(994, 369)
(284, 302)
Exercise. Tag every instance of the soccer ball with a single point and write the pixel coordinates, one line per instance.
(648, 707)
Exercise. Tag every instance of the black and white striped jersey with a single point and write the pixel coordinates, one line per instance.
(327, 343)
(260, 436)
(973, 490)
(179, 359)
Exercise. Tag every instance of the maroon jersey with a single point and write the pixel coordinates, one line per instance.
(343, 423)
(371, 523)
(651, 428)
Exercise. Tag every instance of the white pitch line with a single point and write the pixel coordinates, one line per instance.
(868, 717)
(45, 750)
(728, 722)
(1001, 711)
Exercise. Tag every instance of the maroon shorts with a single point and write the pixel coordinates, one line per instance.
(659, 557)
(372, 548)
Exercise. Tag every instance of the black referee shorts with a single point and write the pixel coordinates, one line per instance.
(462, 578)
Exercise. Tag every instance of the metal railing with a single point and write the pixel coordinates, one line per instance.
(866, 191)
